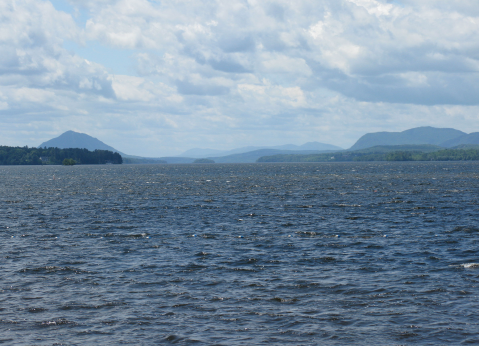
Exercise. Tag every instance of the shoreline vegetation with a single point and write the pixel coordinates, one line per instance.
(74, 156)
(141, 160)
(379, 154)
(69, 162)
(56, 156)
(204, 161)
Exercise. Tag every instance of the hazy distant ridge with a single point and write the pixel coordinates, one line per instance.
(253, 156)
(200, 153)
(374, 142)
(472, 138)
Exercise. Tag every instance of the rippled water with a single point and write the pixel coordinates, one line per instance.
(300, 254)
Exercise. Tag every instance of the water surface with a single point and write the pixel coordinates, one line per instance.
(240, 254)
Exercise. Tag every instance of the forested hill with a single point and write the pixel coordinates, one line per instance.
(418, 135)
(55, 156)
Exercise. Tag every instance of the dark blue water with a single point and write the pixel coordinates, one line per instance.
(300, 254)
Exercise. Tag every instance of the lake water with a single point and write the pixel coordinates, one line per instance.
(240, 254)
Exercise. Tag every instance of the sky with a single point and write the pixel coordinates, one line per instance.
(155, 78)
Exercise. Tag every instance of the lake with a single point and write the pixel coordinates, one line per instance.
(240, 254)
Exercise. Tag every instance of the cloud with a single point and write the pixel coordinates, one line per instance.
(425, 88)
(228, 66)
(346, 42)
(32, 56)
(187, 88)
(241, 71)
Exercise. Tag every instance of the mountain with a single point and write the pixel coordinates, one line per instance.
(318, 146)
(472, 138)
(425, 148)
(202, 153)
(72, 139)
(307, 146)
(418, 135)
(253, 156)
(424, 139)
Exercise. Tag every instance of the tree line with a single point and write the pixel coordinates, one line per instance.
(348, 156)
(55, 156)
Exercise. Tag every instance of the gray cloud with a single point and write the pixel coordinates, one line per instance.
(232, 43)
(276, 10)
(228, 66)
(390, 88)
(187, 88)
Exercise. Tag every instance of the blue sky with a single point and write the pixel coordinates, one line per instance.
(156, 78)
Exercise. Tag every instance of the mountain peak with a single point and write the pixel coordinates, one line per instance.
(72, 139)
(417, 135)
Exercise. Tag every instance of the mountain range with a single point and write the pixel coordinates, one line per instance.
(434, 137)
(200, 153)
(442, 137)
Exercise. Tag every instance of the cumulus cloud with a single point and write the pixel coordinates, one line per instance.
(227, 71)
(32, 34)
(365, 49)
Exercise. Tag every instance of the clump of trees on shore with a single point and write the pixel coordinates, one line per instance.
(204, 161)
(56, 156)
(69, 162)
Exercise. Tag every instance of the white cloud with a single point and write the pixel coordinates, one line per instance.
(32, 37)
(137, 89)
(240, 72)
(32, 95)
(357, 41)
(272, 96)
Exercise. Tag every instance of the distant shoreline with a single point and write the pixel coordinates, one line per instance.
(19, 156)
(361, 156)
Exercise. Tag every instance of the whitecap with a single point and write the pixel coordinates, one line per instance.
(470, 265)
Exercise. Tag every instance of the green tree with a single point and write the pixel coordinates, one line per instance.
(68, 162)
